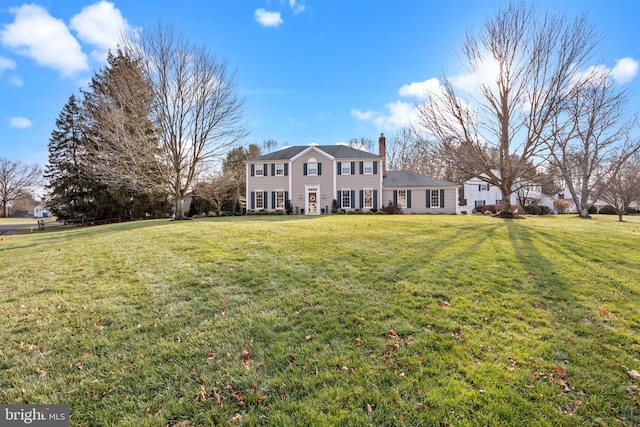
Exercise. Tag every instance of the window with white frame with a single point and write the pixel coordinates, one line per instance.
(346, 168)
(402, 198)
(483, 187)
(279, 169)
(346, 199)
(259, 170)
(312, 167)
(259, 200)
(368, 168)
(480, 203)
(435, 198)
(368, 199)
(279, 199)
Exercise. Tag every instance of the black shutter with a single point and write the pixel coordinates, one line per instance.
(395, 197)
(286, 197)
(375, 199)
(253, 199)
(340, 199)
(361, 196)
(266, 171)
(319, 169)
(304, 169)
(375, 168)
(353, 168)
(273, 200)
(442, 198)
(353, 199)
(286, 169)
(273, 169)
(428, 198)
(253, 170)
(361, 168)
(265, 196)
(339, 168)
(408, 199)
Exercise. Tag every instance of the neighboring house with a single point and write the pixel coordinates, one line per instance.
(477, 193)
(311, 177)
(41, 212)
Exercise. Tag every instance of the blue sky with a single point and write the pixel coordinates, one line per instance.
(322, 71)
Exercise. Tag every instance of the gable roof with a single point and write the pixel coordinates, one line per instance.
(412, 179)
(335, 151)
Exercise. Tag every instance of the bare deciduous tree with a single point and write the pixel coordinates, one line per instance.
(621, 186)
(195, 111)
(591, 137)
(363, 143)
(501, 123)
(16, 178)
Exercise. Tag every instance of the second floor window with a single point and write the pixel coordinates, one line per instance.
(368, 168)
(312, 168)
(346, 168)
(483, 187)
(259, 169)
(279, 169)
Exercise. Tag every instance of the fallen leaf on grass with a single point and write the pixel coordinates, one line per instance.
(236, 419)
(633, 374)
(369, 409)
(420, 406)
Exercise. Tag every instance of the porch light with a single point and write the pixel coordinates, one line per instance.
(300, 196)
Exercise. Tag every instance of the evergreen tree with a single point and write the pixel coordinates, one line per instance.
(71, 192)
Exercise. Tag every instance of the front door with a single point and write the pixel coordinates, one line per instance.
(312, 200)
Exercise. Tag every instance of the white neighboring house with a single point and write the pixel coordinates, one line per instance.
(477, 193)
(41, 212)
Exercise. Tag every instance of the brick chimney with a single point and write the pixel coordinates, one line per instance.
(382, 152)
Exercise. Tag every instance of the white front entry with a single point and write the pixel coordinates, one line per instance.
(312, 204)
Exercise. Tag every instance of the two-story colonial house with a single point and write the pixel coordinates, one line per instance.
(311, 177)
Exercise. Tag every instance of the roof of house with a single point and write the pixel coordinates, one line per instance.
(412, 179)
(335, 151)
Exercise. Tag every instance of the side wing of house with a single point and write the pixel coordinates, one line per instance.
(432, 200)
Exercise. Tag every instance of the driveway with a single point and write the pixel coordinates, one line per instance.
(5, 228)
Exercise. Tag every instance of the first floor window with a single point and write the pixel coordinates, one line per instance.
(435, 198)
(259, 200)
(499, 202)
(480, 203)
(346, 199)
(402, 198)
(279, 199)
(368, 199)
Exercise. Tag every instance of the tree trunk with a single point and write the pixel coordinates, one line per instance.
(505, 204)
(5, 214)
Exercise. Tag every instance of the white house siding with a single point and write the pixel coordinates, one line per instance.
(418, 198)
(475, 191)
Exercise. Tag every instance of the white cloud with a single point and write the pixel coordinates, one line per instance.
(101, 25)
(625, 70)
(6, 64)
(296, 6)
(398, 114)
(20, 122)
(268, 19)
(16, 81)
(420, 89)
(36, 34)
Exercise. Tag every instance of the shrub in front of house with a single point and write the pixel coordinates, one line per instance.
(592, 210)
(482, 209)
(391, 209)
(608, 210)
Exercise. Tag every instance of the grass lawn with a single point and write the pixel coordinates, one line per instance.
(402, 320)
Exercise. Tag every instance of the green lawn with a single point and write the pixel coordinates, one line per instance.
(347, 320)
